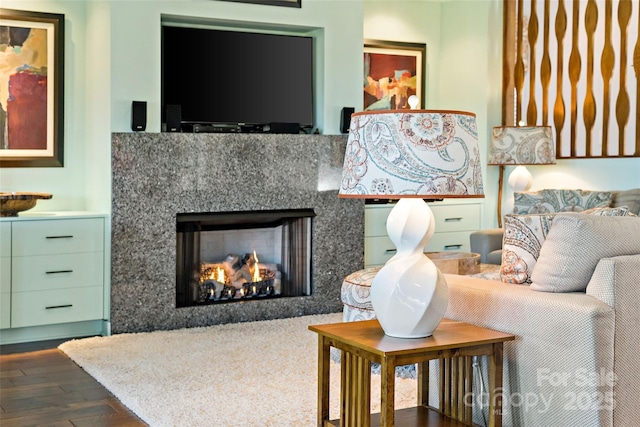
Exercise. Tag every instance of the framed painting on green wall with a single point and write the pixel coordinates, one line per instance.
(31, 89)
(393, 71)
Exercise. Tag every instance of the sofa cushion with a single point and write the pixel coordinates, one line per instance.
(547, 201)
(574, 246)
(602, 284)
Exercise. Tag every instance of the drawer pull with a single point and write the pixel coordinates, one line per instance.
(448, 247)
(59, 271)
(58, 306)
(458, 219)
(59, 237)
(389, 251)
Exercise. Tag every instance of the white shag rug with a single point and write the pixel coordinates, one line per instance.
(255, 374)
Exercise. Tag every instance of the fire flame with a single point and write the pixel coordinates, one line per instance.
(219, 275)
(256, 269)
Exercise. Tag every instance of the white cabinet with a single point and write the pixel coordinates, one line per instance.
(53, 272)
(5, 275)
(454, 222)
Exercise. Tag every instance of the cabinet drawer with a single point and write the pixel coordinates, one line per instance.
(377, 250)
(456, 217)
(57, 236)
(5, 239)
(375, 220)
(60, 306)
(49, 272)
(454, 241)
(5, 274)
(447, 218)
(5, 310)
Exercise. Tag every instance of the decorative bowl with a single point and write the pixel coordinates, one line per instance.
(13, 202)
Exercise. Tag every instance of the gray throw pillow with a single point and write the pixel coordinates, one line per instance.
(576, 243)
(630, 198)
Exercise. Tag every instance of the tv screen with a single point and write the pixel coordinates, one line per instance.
(231, 77)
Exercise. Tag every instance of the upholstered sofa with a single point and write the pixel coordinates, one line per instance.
(574, 359)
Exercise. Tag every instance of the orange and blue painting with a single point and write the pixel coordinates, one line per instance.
(389, 80)
(23, 88)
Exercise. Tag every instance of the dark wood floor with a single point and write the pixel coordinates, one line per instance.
(41, 386)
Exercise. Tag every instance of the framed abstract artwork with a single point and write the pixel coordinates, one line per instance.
(31, 89)
(393, 71)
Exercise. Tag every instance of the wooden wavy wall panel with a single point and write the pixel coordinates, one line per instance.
(575, 66)
(545, 66)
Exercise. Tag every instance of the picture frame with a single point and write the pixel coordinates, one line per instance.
(285, 3)
(393, 71)
(31, 89)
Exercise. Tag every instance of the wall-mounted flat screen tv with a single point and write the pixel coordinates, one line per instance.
(232, 77)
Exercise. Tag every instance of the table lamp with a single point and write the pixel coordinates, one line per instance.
(520, 145)
(411, 155)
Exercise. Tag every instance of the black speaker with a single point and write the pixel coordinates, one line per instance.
(277, 127)
(138, 116)
(345, 118)
(173, 116)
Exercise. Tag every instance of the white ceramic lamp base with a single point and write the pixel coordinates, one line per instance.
(520, 179)
(409, 294)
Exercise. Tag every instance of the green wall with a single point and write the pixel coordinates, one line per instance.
(66, 184)
(464, 61)
(113, 57)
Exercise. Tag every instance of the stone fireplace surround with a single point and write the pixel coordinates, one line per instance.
(157, 175)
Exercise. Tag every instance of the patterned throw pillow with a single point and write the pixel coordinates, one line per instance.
(619, 211)
(524, 236)
(549, 201)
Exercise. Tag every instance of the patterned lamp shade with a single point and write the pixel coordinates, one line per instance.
(525, 145)
(412, 153)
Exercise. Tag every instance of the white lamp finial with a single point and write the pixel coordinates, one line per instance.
(413, 102)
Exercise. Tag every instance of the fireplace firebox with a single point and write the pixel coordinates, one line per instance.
(224, 257)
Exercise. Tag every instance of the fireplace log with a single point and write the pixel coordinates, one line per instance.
(241, 277)
(216, 286)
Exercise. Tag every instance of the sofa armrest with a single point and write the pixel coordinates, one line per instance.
(486, 243)
(615, 281)
(567, 335)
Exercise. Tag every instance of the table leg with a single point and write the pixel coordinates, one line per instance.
(323, 380)
(388, 391)
(423, 383)
(495, 386)
(355, 391)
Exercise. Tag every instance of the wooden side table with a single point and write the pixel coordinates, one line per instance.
(361, 343)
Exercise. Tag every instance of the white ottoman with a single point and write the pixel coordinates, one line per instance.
(356, 287)
(356, 295)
